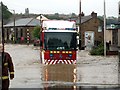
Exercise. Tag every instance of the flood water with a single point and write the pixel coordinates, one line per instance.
(64, 76)
(90, 72)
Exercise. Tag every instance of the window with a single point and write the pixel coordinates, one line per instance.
(99, 28)
(60, 41)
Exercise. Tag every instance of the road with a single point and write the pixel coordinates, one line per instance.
(89, 71)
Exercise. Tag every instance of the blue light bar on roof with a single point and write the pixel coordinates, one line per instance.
(61, 28)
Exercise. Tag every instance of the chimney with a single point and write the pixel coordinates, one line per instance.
(27, 11)
(93, 14)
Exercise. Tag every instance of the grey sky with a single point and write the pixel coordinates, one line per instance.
(63, 6)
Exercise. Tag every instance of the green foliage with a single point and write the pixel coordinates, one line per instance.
(73, 15)
(6, 13)
(98, 50)
(36, 32)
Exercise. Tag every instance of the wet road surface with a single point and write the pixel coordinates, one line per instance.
(89, 72)
(60, 72)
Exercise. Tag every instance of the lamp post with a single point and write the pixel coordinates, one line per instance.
(14, 28)
(14, 31)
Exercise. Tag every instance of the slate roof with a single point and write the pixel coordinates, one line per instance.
(84, 19)
(24, 22)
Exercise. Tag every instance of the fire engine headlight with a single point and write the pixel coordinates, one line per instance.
(70, 55)
(51, 55)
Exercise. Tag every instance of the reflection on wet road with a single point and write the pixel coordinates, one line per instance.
(60, 73)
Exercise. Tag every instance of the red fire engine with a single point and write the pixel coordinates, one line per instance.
(58, 42)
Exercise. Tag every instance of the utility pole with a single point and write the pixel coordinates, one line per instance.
(2, 42)
(80, 35)
(1, 58)
(2, 29)
(1, 19)
(0, 22)
(104, 29)
(14, 27)
(40, 36)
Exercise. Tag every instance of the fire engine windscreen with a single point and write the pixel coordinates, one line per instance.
(60, 41)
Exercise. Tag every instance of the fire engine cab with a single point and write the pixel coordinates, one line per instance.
(58, 42)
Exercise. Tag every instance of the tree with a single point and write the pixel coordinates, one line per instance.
(6, 13)
(56, 14)
(73, 15)
(36, 32)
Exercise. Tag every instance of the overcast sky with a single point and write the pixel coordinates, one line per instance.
(63, 6)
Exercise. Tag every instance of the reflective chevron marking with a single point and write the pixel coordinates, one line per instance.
(49, 62)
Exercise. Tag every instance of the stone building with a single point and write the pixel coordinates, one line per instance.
(15, 30)
(113, 33)
(91, 30)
